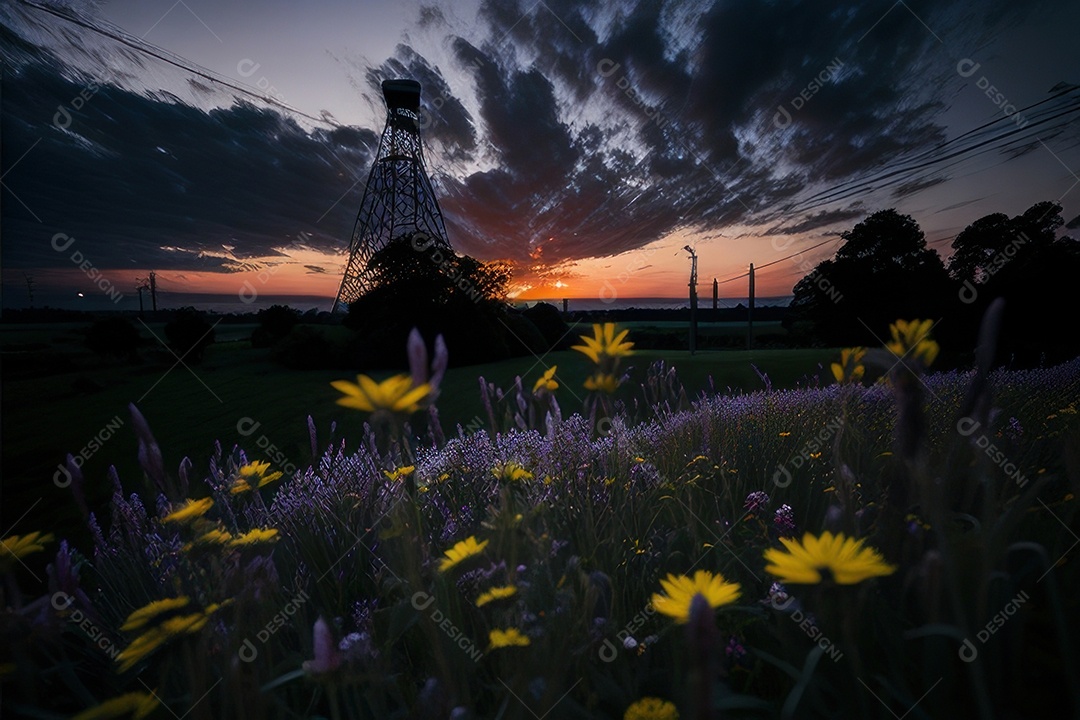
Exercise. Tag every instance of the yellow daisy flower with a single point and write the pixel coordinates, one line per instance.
(604, 343)
(184, 624)
(17, 547)
(399, 473)
(680, 591)
(463, 550)
(395, 394)
(153, 638)
(546, 381)
(253, 475)
(148, 612)
(253, 537)
(255, 468)
(911, 339)
(137, 704)
(814, 559)
(496, 593)
(511, 472)
(142, 646)
(603, 382)
(507, 638)
(651, 708)
(139, 649)
(189, 510)
(850, 367)
(216, 536)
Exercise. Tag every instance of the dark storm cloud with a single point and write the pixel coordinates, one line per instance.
(558, 32)
(701, 93)
(135, 175)
(521, 117)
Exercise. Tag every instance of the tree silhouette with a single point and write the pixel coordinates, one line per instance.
(976, 246)
(1023, 261)
(438, 292)
(1040, 222)
(992, 241)
(882, 272)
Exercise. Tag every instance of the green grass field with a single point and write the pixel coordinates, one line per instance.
(57, 396)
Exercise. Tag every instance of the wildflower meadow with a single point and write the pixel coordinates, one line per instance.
(897, 548)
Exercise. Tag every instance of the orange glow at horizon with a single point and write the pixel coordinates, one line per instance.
(296, 271)
(661, 270)
(657, 270)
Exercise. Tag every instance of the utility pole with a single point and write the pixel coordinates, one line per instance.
(693, 298)
(750, 313)
(715, 296)
(30, 287)
(141, 285)
(153, 291)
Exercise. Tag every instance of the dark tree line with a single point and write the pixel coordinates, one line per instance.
(188, 333)
(885, 271)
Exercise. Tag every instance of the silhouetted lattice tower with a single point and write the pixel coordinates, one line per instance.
(398, 200)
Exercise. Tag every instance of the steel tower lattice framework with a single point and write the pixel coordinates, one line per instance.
(398, 199)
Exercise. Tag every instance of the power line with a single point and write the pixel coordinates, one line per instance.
(170, 58)
(774, 262)
(962, 147)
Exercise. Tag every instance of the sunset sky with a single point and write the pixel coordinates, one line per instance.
(226, 145)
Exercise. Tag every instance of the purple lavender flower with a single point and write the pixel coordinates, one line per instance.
(777, 597)
(784, 521)
(439, 363)
(327, 657)
(755, 501)
(313, 436)
(95, 532)
(357, 647)
(149, 453)
(182, 473)
(734, 650)
(417, 352)
(362, 614)
(64, 586)
(1014, 430)
(261, 578)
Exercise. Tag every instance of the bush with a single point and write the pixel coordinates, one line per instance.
(275, 322)
(437, 292)
(114, 337)
(189, 334)
(549, 321)
(524, 336)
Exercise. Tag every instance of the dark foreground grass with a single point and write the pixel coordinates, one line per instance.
(340, 591)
